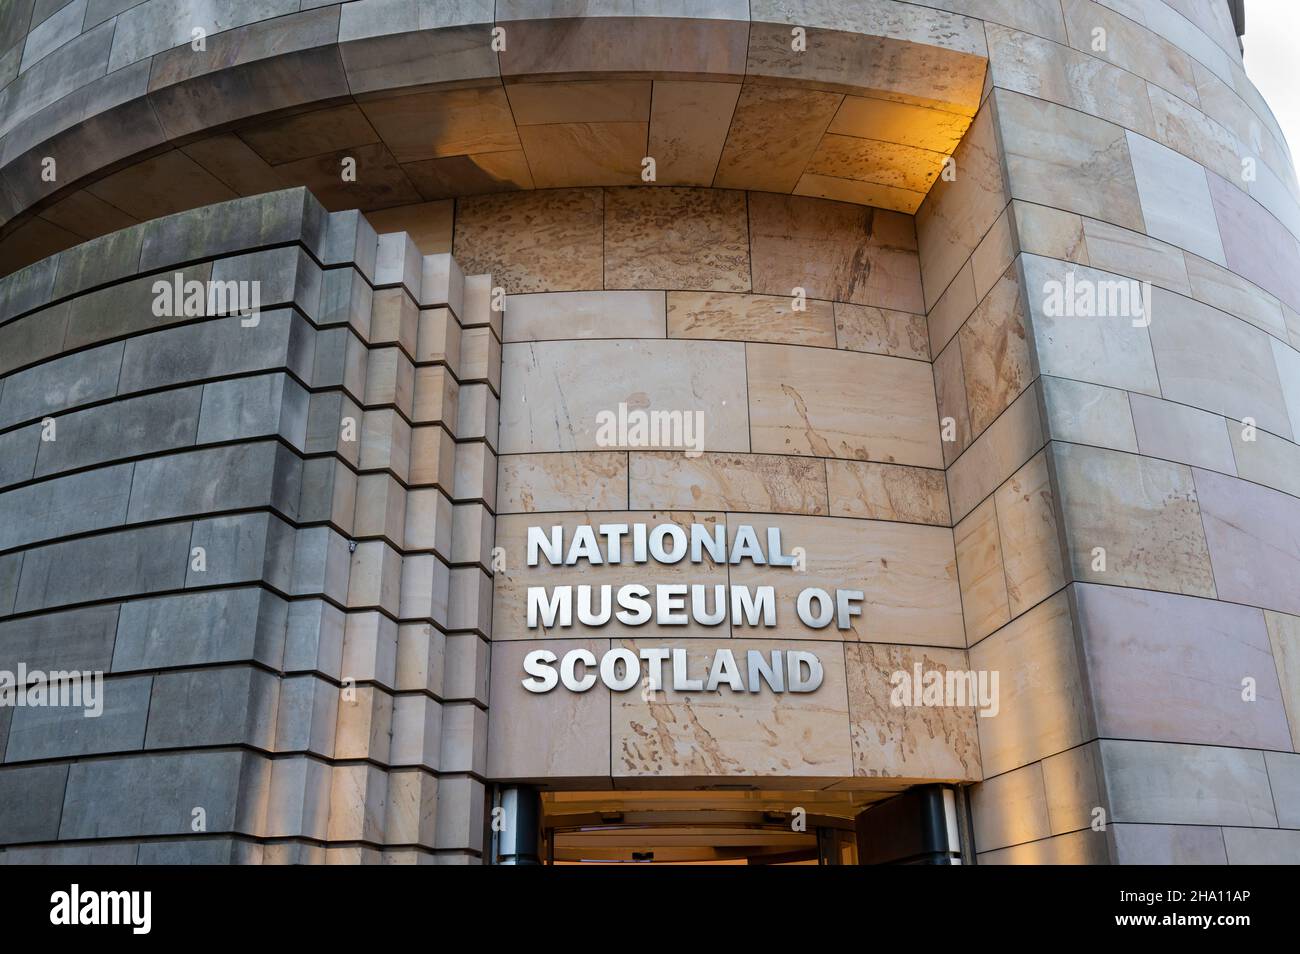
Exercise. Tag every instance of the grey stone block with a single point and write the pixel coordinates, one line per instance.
(350, 238)
(65, 70)
(101, 853)
(64, 506)
(398, 262)
(199, 851)
(245, 548)
(240, 225)
(346, 298)
(231, 477)
(15, 18)
(33, 338)
(157, 26)
(307, 716)
(340, 361)
(224, 706)
(284, 276)
(18, 454)
(32, 802)
(314, 638)
(153, 794)
(213, 349)
(85, 132)
(334, 426)
(444, 55)
(320, 564)
(11, 565)
(61, 384)
(129, 562)
(197, 628)
(51, 732)
(259, 406)
(249, 73)
(108, 258)
(328, 493)
(126, 308)
(130, 427)
(52, 26)
(299, 799)
(73, 639)
(27, 288)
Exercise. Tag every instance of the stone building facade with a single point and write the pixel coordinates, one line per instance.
(990, 307)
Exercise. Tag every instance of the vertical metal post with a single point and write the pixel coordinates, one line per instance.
(517, 829)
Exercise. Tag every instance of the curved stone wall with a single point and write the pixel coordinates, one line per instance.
(268, 532)
(1114, 532)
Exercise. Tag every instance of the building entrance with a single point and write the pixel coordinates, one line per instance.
(727, 825)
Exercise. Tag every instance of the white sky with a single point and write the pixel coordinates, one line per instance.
(1272, 44)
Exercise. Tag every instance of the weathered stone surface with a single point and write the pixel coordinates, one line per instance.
(63, 731)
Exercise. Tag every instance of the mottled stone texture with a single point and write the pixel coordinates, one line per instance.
(1120, 476)
(1103, 511)
(271, 537)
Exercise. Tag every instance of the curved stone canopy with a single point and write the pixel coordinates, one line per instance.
(438, 99)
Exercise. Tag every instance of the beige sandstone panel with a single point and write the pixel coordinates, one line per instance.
(772, 137)
(907, 572)
(1172, 668)
(1254, 541)
(1068, 160)
(1162, 782)
(727, 733)
(1000, 451)
(1031, 539)
(887, 492)
(1043, 705)
(841, 404)
(1142, 511)
(1085, 847)
(557, 316)
(995, 352)
(1213, 361)
(688, 127)
(553, 392)
(558, 734)
(1109, 349)
(676, 238)
(1010, 809)
(532, 483)
(583, 154)
(1284, 639)
(835, 251)
(881, 331)
(1085, 413)
(957, 212)
(984, 601)
(763, 483)
(750, 318)
(534, 241)
(592, 102)
(907, 741)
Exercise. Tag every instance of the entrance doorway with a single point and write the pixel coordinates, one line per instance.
(718, 826)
